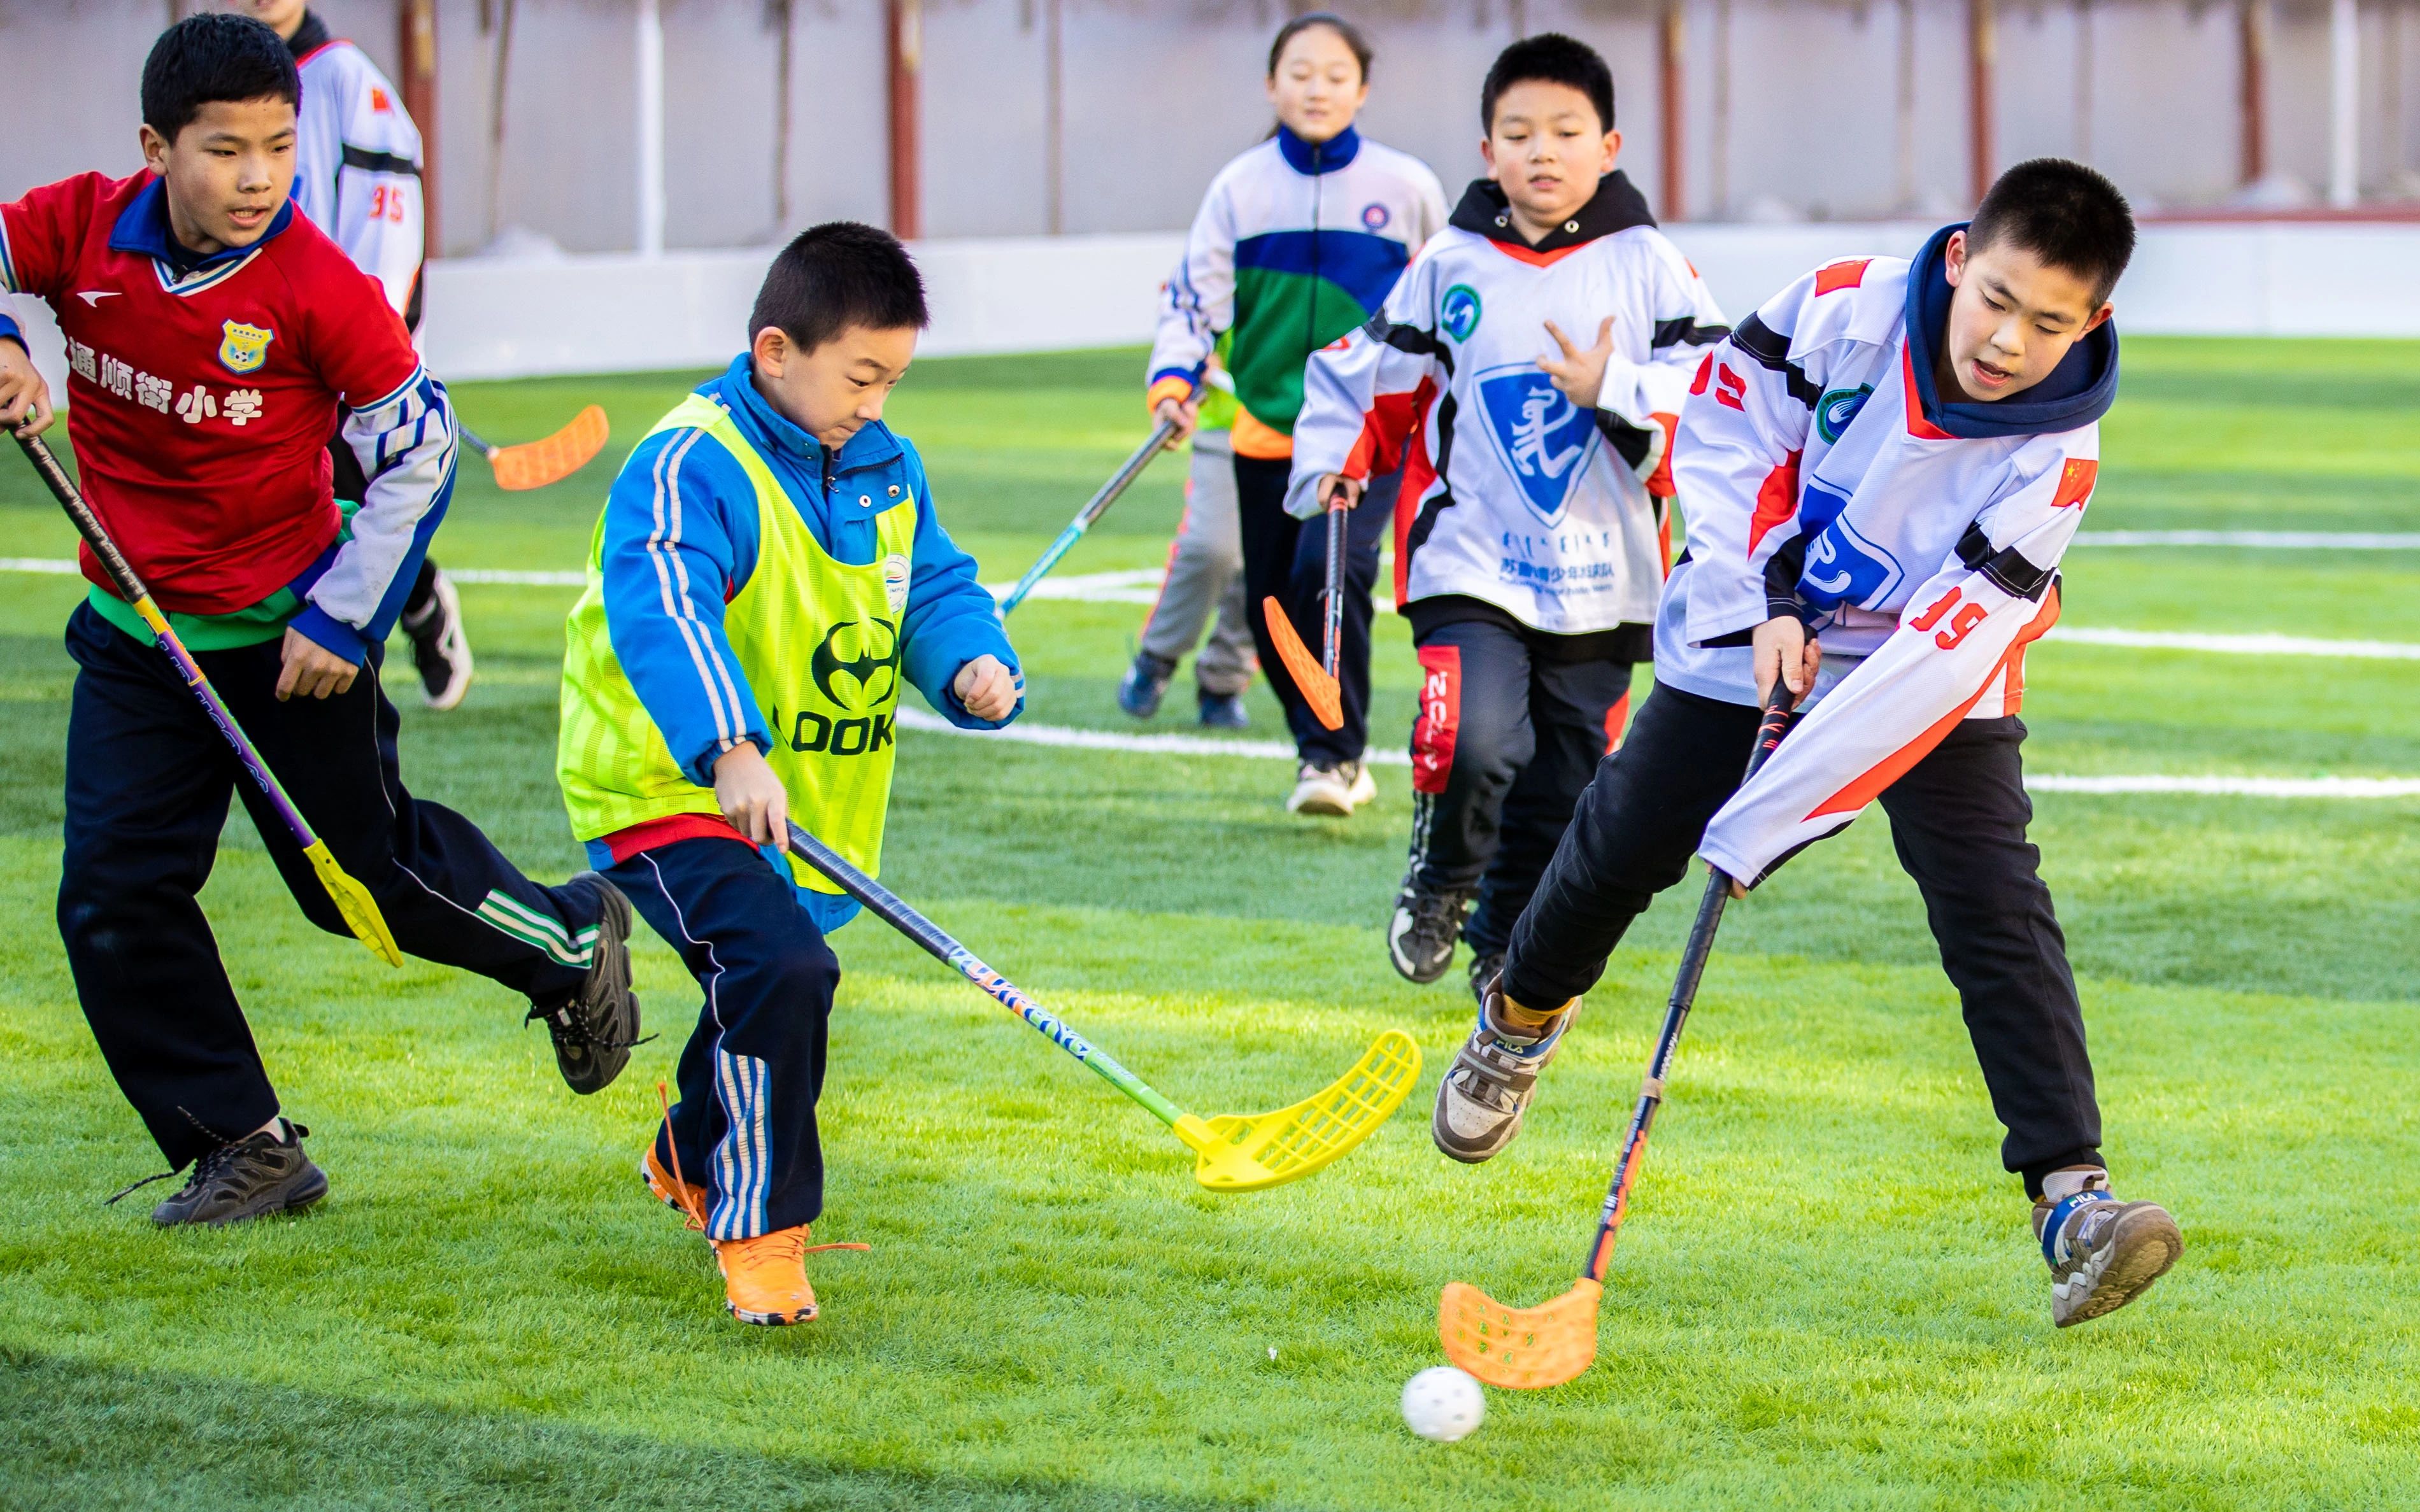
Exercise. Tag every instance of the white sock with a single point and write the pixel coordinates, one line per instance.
(2060, 1186)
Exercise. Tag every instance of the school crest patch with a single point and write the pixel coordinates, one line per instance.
(1542, 439)
(244, 348)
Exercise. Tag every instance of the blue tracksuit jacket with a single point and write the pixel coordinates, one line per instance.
(675, 653)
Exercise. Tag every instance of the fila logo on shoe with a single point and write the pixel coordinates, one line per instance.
(93, 297)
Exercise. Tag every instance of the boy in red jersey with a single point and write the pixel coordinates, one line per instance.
(211, 333)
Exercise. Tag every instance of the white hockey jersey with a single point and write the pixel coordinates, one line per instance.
(1512, 494)
(1918, 539)
(357, 163)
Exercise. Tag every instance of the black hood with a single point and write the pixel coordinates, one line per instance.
(1615, 206)
(309, 37)
(2078, 392)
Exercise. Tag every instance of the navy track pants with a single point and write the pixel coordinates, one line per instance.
(147, 782)
(745, 1125)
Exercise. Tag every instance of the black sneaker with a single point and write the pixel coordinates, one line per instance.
(1222, 711)
(1484, 969)
(1426, 927)
(2102, 1253)
(596, 1026)
(1144, 684)
(256, 1175)
(441, 652)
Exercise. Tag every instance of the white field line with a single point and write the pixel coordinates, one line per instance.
(1065, 737)
(2260, 540)
(1140, 586)
(2241, 645)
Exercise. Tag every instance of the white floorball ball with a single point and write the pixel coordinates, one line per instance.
(1442, 1404)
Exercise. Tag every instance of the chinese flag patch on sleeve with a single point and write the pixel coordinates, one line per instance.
(2076, 481)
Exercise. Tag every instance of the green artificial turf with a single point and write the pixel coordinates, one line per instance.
(1827, 1296)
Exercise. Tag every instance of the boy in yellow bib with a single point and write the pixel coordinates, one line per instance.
(767, 574)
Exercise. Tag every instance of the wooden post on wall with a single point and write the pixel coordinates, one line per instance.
(2251, 49)
(416, 56)
(1981, 45)
(904, 51)
(1674, 194)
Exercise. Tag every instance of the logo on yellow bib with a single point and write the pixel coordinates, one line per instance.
(244, 349)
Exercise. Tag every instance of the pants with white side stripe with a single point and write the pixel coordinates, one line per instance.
(147, 782)
(745, 1125)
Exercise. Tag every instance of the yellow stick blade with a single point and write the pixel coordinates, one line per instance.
(1521, 1347)
(1319, 690)
(535, 464)
(355, 901)
(1245, 1152)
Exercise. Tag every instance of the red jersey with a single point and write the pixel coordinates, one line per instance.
(201, 406)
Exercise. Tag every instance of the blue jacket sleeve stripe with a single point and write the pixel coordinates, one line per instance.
(672, 578)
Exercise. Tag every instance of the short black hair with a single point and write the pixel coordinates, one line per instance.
(207, 58)
(839, 274)
(1555, 58)
(1346, 32)
(2062, 212)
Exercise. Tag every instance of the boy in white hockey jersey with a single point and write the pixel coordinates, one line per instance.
(1529, 531)
(1891, 457)
(357, 163)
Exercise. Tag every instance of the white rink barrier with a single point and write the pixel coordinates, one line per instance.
(621, 313)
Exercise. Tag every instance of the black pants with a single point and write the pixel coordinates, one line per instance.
(1287, 560)
(750, 1076)
(148, 781)
(1509, 734)
(351, 484)
(1958, 819)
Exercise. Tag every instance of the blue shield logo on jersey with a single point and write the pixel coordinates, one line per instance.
(1842, 566)
(1542, 439)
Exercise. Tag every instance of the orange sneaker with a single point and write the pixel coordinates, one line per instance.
(765, 1278)
(670, 1190)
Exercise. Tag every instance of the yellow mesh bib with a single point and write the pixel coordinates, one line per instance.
(818, 641)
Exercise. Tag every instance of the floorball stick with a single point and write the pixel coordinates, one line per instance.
(550, 459)
(353, 901)
(1317, 680)
(1552, 1343)
(1093, 509)
(1234, 1152)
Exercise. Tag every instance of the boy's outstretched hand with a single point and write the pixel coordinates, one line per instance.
(987, 687)
(751, 797)
(1785, 650)
(1580, 374)
(311, 670)
(24, 398)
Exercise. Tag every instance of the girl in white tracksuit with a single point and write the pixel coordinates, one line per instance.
(1297, 243)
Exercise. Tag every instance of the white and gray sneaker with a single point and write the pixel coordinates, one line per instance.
(1487, 1089)
(2102, 1253)
(1364, 788)
(1322, 790)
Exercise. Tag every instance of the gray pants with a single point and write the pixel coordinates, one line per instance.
(1206, 573)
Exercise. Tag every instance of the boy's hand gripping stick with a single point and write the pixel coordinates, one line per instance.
(1552, 1342)
(353, 901)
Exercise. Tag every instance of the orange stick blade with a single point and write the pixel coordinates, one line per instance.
(535, 464)
(1319, 690)
(1524, 1348)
